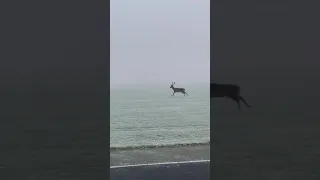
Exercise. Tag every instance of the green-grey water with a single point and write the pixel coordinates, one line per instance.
(149, 116)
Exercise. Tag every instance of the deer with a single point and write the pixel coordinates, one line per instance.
(175, 90)
(231, 91)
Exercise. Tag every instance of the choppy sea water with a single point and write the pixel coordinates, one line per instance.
(149, 116)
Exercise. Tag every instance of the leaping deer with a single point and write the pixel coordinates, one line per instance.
(231, 91)
(175, 90)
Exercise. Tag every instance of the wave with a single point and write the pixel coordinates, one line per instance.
(158, 146)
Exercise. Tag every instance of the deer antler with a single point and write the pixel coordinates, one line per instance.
(174, 83)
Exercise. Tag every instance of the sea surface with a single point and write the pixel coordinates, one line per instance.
(148, 116)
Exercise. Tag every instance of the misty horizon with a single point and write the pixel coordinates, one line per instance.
(149, 46)
(189, 85)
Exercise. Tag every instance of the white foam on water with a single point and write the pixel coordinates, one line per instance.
(163, 163)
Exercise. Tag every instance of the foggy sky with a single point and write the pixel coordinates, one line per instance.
(153, 41)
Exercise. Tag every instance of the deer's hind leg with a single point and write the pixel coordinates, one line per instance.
(244, 101)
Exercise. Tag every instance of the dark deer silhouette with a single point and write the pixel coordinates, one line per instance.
(175, 90)
(231, 91)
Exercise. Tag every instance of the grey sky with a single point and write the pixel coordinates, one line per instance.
(159, 41)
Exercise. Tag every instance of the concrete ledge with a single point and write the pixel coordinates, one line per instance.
(187, 170)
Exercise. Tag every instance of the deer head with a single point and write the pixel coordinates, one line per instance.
(173, 83)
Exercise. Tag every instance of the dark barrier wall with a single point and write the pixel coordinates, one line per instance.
(54, 91)
(271, 51)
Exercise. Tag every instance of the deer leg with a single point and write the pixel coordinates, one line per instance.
(238, 102)
(242, 99)
(186, 93)
(172, 94)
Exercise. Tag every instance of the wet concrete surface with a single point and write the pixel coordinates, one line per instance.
(188, 171)
(185, 171)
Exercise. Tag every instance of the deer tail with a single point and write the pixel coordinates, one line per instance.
(244, 101)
